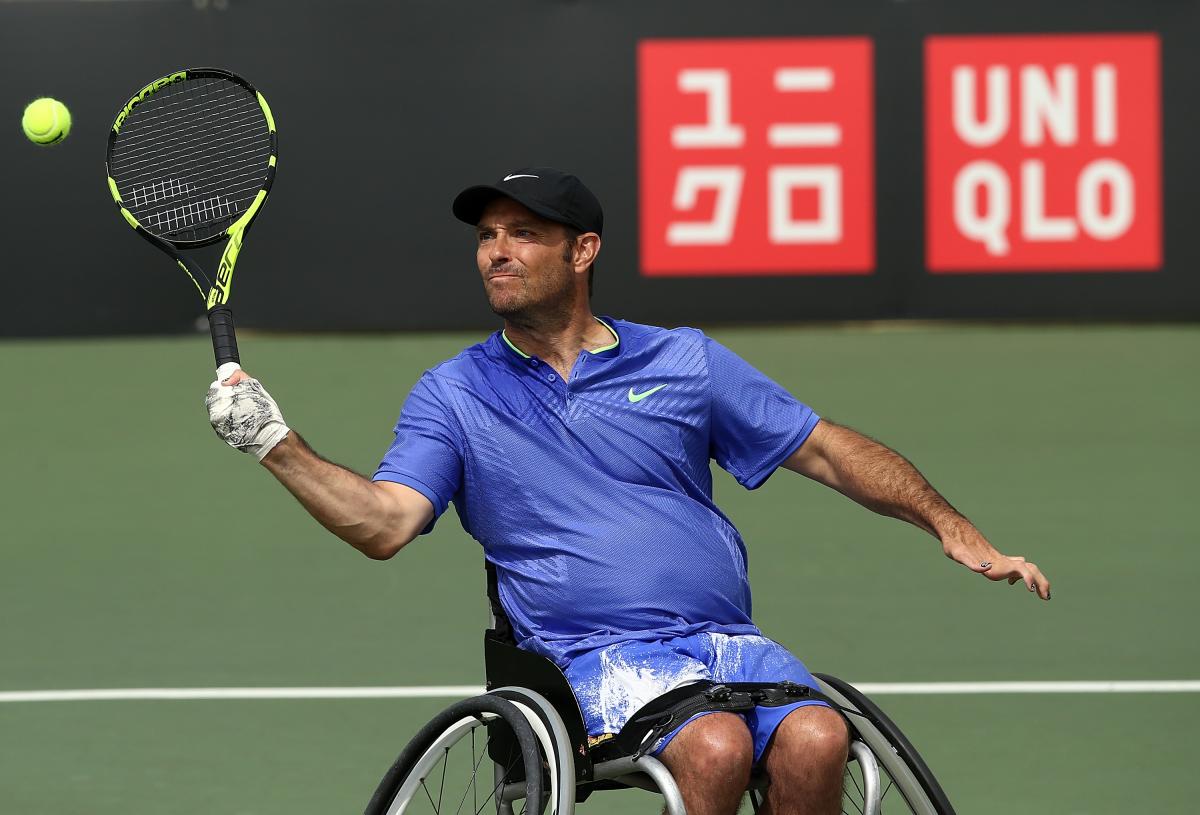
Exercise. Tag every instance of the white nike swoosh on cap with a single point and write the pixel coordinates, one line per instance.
(520, 175)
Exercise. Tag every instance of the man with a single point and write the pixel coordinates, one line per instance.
(576, 450)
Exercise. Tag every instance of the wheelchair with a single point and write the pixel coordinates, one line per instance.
(523, 744)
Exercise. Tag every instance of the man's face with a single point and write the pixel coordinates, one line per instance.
(524, 261)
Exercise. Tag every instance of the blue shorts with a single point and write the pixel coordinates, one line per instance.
(614, 682)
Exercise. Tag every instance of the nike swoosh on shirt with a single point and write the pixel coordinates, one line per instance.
(637, 397)
(520, 175)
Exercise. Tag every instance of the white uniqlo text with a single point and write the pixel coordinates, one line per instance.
(1043, 153)
(1046, 112)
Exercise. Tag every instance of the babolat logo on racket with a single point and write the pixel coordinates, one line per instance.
(143, 93)
(220, 290)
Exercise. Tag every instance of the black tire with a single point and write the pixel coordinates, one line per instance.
(463, 725)
(901, 767)
(557, 756)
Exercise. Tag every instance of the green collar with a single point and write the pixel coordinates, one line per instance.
(616, 341)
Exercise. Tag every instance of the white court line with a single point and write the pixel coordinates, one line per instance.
(1090, 686)
(459, 691)
(168, 694)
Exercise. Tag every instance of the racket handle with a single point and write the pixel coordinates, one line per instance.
(220, 323)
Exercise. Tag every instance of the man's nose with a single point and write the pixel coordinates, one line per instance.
(500, 249)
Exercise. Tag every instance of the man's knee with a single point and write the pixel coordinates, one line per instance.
(717, 746)
(813, 735)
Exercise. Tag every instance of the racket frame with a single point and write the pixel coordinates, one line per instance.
(220, 316)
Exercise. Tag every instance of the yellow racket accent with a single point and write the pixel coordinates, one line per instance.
(220, 290)
(191, 277)
(267, 112)
(143, 93)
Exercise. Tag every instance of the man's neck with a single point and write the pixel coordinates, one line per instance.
(559, 344)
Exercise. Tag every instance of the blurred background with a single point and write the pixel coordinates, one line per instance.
(963, 228)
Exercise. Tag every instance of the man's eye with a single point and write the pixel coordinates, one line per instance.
(485, 236)
(524, 233)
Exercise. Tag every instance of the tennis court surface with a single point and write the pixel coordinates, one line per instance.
(138, 552)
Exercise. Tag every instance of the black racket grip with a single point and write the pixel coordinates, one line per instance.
(220, 323)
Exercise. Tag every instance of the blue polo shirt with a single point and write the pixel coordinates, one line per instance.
(593, 496)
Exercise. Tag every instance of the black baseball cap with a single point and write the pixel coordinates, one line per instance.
(548, 192)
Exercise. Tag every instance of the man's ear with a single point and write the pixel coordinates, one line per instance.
(587, 247)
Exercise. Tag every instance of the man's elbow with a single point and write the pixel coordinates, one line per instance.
(382, 548)
(379, 551)
(399, 515)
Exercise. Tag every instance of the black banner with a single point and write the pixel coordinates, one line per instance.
(386, 110)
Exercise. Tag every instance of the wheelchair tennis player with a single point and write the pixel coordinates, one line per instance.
(576, 450)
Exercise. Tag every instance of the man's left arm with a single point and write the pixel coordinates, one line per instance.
(885, 482)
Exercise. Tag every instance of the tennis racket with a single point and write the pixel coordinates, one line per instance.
(191, 158)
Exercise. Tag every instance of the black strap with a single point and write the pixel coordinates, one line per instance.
(501, 628)
(662, 715)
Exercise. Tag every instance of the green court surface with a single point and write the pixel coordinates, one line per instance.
(137, 551)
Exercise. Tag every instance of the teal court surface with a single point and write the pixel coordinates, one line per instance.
(138, 552)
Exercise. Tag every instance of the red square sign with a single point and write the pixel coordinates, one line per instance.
(1042, 153)
(756, 156)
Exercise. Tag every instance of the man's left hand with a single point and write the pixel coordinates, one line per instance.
(971, 549)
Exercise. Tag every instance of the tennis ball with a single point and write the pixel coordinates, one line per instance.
(46, 121)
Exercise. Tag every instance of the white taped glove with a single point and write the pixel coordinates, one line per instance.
(244, 415)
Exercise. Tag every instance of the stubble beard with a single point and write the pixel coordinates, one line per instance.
(548, 305)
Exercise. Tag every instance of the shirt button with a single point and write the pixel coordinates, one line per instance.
(533, 362)
(553, 377)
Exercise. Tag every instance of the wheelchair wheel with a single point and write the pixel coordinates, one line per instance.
(886, 774)
(446, 768)
(551, 733)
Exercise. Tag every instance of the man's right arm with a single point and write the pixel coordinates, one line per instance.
(378, 518)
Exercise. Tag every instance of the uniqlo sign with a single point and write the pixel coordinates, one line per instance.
(1042, 152)
(756, 156)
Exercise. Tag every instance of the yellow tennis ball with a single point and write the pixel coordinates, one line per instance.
(46, 121)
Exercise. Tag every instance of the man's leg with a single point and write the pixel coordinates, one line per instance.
(806, 761)
(710, 759)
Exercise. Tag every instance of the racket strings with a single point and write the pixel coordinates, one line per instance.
(146, 134)
(161, 190)
(211, 164)
(180, 138)
(178, 117)
(186, 124)
(169, 102)
(131, 160)
(197, 213)
(190, 159)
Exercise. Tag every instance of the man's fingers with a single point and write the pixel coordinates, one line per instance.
(1032, 577)
(1040, 584)
(997, 567)
(1013, 570)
